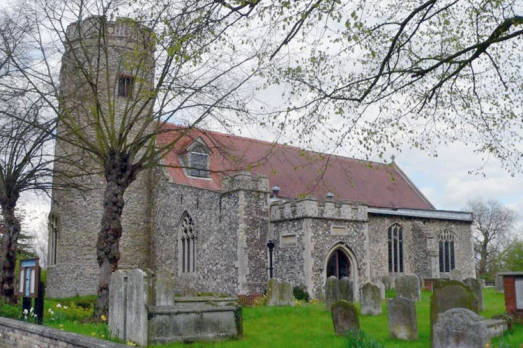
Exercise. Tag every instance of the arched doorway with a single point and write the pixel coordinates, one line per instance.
(338, 265)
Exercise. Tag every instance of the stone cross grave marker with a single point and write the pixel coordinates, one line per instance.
(460, 328)
(344, 317)
(370, 299)
(401, 312)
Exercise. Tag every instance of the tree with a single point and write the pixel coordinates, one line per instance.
(513, 257)
(493, 223)
(395, 73)
(24, 132)
(112, 101)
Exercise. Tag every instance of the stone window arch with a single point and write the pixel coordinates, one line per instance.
(199, 162)
(447, 257)
(395, 248)
(187, 244)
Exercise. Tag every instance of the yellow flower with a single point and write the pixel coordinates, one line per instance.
(103, 336)
(487, 345)
(93, 333)
(103, 318)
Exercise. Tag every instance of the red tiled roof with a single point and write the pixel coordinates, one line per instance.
(296, 172)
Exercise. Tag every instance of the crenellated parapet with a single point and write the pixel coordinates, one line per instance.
(245, 181)
(94, 27)
(312, 208)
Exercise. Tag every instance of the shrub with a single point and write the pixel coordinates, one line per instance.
(358, 339)
(300, 293)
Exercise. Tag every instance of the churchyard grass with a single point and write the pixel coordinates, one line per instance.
(307, 325)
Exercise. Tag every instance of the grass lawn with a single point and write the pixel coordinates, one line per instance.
(311, 326)
(305, 326)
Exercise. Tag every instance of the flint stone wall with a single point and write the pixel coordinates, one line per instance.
(416, 255)
(231, 230)
(303, 262)
(15, 333)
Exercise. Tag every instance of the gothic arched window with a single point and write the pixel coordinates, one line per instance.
(447, 259)
(395, 247)
(199, 162)
(188, 244)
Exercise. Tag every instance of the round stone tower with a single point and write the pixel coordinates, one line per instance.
(105, 83)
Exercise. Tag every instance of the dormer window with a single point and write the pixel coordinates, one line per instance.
(125, 86)
(199, 162)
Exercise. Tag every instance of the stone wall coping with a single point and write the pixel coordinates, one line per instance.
(419, 213)
(59, 335)
(511, 273)
(198, 309)
(205, 299)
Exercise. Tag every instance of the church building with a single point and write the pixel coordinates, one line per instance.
(225, 213)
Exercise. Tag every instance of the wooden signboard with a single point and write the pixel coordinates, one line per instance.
(29, 278)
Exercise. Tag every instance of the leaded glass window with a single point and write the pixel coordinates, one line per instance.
(199, 162)
(188, 245)
(447, 258)
(395, 248)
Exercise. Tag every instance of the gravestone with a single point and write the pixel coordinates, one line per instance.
(137, 296)
(455, 274)
(460, 328)
(344, 317)
(332, 291)
(477, 288)
(279, 293)
(402, 318)
(380, 285)
(498, 283)
(449, 294)
(346, 290)
(273, 292)
(408, 286)
(387, 281)
(117, 308)
(370, 299)
(163, 288)
(286, 296)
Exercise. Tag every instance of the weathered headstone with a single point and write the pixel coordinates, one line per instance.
(402, 318)
(344, 317)
(477, 288)
(273, 292)
(455, 274)
(449, 294)
(408, 286)
(163, 288)
(332, 291)
(498, 283)
(380, 285)
(387, 281)
(346, 290)
(117, 308)
(279, 293)
(286, 296)
(460, 328)
(370, 299)
(137, 297)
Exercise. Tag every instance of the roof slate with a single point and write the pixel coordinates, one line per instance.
(297, 172)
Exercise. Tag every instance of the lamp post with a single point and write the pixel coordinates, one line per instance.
(270, 245)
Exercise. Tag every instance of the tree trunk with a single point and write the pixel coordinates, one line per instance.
(119, 175)
(483, 259)
(8, 250)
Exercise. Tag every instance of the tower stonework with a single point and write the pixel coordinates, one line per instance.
(107, 69)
